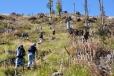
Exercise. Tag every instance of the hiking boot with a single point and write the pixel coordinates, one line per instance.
(39, 43)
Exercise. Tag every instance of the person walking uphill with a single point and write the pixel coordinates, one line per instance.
(40, 28)
(40, 38)
(68, 23)
(20, 53)
(53, 34)
(32, 50)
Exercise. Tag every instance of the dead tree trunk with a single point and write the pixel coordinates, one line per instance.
(75, 11)
(86, 14)
(101, 12)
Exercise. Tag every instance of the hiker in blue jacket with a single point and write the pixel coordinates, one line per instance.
(40, 28)
(20, 53)
(32, 50)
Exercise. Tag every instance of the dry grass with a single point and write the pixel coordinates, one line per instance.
(52, 61)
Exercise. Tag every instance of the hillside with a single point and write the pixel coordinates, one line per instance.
(66, 53)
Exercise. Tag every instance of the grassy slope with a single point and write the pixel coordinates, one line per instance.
(53, 60)
(58, 56)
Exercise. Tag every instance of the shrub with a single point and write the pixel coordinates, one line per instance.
(2, 17)
(32, 18)
(54, 19)
(2, 25)
(17, 32)
(79, 25)
(59, 19)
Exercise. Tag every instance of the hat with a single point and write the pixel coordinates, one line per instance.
(21, 45)
(34, 44)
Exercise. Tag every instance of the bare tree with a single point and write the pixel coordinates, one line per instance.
(101, 11)
(86, 13)
(74, 10)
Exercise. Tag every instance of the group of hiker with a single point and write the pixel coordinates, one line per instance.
(20, 53)
(40, 39)
(32, 53)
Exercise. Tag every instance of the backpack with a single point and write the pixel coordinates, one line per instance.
(41, 36)
(20, 52)
(32, 49)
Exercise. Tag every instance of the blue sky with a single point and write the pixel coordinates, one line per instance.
(38, 6)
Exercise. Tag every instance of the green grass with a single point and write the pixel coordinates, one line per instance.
(77, 70)
(53, 60)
